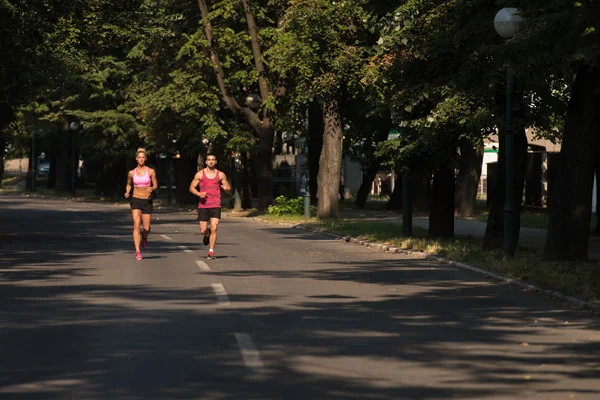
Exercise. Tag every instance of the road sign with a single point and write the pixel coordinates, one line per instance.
(393, 134)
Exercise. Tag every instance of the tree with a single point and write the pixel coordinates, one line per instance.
(261, 121)
(566, 37)
(467, 180)
(321, 48)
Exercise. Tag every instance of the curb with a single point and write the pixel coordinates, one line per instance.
(568, 301)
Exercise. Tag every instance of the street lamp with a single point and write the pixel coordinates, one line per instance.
(305, 180)
(237, 182)
(73, 126)
(253, 101)
(506, 23)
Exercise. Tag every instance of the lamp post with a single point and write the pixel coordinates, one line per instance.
(237, 182)
(506, 23)
(73, 127)
(306, 176)
(33, 163)
(253, 101)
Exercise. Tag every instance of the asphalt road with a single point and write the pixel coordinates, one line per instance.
(280, 314)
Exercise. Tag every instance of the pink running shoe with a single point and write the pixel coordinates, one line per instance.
(144, 243)
(138, 256)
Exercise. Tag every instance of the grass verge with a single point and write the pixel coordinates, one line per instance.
(536, 220)
(581, 279)
(13, 180)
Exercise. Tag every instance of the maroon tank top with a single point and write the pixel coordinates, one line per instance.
(212, 187)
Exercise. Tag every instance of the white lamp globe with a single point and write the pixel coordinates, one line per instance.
(73, 126)
(507, 22)
(253, 101)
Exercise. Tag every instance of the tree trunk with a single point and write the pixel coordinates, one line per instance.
(494, 233)
(185, 169)
(106, 184)
(368, 177)
(315, 145)
(395, 201)
(441, 216)
(6, 116)
(263, 127)
(569, 223)
(330, 165)
(246, 181)
(264, 166)
(467, 181)
(278, 143)
(597, 171)
(2, 152)
(63, 178)
(30, 175)
(381, 124)
(421, 192)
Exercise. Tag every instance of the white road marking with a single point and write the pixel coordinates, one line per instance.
(221, 294)
(203, 266)
(249, 353)
(166, 237)
(105, 217)
(185, 249)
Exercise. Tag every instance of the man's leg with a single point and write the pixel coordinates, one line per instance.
(203, 227)
(214, 225)
(203, 219)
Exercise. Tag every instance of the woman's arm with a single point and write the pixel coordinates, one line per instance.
(154, 186)
(129, 182)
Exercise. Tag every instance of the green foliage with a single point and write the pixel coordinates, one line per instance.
(320, 47)
(285, 206)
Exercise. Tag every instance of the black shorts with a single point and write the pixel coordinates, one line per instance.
(204, 214)
(142, 204)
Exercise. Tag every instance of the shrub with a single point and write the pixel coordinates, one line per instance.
(285, 206)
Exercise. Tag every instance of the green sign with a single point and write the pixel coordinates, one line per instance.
(393, 134)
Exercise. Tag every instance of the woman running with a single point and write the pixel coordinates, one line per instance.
(144, 183)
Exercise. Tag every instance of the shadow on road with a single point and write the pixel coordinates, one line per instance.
(133, 341)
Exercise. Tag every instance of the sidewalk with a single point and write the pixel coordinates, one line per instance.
(528, 238)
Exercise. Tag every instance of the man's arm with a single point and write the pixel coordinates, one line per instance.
(224, 183)
(194, 185)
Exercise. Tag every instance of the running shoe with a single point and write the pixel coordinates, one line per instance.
(138, 256)
(211, 255)
(206, 237)
(144, 243)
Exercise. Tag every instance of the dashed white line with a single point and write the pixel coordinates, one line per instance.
(221, 294)
(105, 217)
(185, 249)
(202, 265)
(166, 237)
(250, 353)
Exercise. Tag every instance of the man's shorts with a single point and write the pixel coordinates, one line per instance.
(142, 204)
(204, 214)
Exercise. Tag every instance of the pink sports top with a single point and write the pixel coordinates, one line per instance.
(141, 181)
(212, 187)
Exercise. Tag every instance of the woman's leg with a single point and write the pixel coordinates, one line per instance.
(137, 216)
(146, 224)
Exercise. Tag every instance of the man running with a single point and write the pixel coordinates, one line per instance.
(209, 181)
